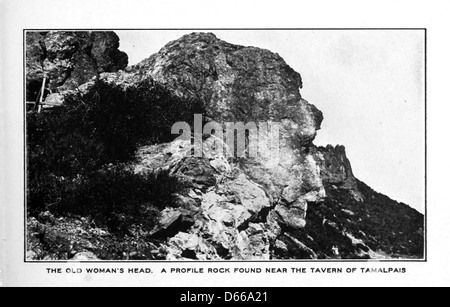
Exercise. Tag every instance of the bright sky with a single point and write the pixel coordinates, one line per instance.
(369, 85)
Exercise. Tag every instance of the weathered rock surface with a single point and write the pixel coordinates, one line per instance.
(303, 202)
(336, 170)
(227, 203)
(70, 59)
(335, 166)
(84, 256)
(236, 83)
(254, 208)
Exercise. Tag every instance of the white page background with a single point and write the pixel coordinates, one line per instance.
(16, 15)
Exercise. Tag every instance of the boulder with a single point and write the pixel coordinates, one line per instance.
(190, 246)
(253, 243)
(54, 100)
(223, 219)
(197, 171)
(85, 256)
(250, 195)
(31, 255)
(105, 52)
(172, 220)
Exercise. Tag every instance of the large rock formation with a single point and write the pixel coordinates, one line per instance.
(237, 83)
(305, 203)
(69, 59)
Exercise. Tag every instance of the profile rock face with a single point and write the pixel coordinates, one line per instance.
(305, 205)
(242, 84)
(236, 84)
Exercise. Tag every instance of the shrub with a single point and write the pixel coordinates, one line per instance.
(118, 198)
(68, 149)
(121, 120)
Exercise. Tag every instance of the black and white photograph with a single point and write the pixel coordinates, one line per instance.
(216, 151)
(225, 145)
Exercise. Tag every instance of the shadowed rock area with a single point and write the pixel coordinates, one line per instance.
(306, 204)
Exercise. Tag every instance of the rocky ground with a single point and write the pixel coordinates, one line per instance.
(308, 205)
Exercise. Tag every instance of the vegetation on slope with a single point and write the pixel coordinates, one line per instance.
(359, 229)
(78, 153)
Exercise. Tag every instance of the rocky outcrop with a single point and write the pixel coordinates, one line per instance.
(303, 202)
(335, 166)
(336, 170)
(69, 59)
(237, 83)
(228, 209)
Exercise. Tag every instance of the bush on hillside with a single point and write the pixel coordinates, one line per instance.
(70, 151)
(117, 198)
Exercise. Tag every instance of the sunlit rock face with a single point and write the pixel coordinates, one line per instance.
(243, 84)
